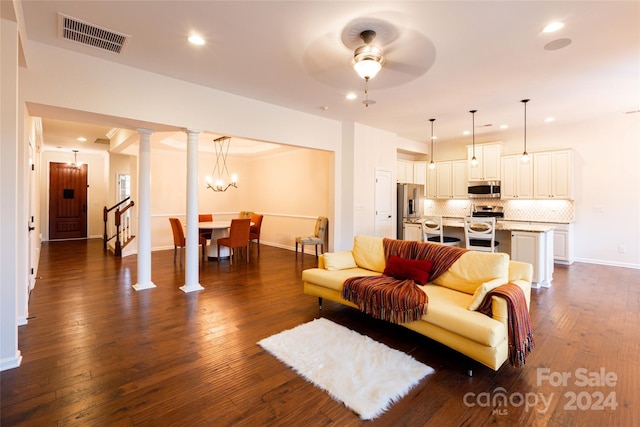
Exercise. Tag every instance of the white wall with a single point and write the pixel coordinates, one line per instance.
(90, 84)
(374, 149)
(12, 237)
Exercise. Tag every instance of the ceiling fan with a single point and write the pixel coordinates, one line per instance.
(369, 44)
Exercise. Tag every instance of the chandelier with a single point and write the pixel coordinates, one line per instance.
(220, 179)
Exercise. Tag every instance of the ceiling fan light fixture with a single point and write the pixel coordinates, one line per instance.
(367, 68)
(367, 61)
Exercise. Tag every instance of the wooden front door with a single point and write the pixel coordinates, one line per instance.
(67, 201)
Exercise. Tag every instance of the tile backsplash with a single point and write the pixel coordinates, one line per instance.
(561, 211)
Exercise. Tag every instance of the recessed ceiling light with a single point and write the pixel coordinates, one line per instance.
(196, 39)
(504, 126)
(351, 96)
(82, 139)
(466, 132)
(549, 120)
(552, 27)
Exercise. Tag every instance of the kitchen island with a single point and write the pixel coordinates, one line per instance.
(532, 243)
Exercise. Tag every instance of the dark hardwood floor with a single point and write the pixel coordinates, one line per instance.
(98, 353)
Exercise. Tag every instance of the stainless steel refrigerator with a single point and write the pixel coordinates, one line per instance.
(409, 205)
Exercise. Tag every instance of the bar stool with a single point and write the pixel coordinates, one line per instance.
(480, 234)
(432, 231)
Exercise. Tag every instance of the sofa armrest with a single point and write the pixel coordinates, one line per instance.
(521, 273)
(321, 261)
(499, 310)
(519, 270)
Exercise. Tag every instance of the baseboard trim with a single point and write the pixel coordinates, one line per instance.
(609, 263)
(11, 362)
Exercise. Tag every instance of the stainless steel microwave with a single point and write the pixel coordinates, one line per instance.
(484, 189)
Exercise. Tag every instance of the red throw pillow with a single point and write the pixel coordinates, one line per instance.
(414, 269)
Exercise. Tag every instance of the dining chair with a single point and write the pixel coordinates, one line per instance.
(480, 234)
(318, 238)
(238, 238)
(432, 231)
(254, 231)
(179, 240)
(205, 218)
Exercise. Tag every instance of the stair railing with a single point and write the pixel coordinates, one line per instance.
(122, 222)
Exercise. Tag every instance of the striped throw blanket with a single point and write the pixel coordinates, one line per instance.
(394, 300)
(520, 333)
(386, 298)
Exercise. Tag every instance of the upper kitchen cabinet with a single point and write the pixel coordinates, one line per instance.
(432, 187)
(410, 172)
(420, 175)
(517, 178)
(451, 179)
(405, 171)
(553, 175)
(488, 167)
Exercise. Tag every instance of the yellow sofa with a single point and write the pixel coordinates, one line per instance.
(451, 318)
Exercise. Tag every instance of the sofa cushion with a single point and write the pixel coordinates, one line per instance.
(482, 290)
(339, 260)
(369, 253)
(415, 269)
(333, 279)
(473, 269)
(448, 310)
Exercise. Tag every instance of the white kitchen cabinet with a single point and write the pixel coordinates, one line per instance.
(404, 171)
(553, 175)
(420, 175)
(432, 188)
(536, 248)
(488, 167)
(412, 231)
(517, 178)
(563, 244)
(451, 179)
(459, 180)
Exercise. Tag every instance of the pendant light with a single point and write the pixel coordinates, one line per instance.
(432, 165)
(474, 161)
(525, 155)
(76, 164)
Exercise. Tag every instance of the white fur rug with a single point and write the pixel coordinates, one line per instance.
(365, 375)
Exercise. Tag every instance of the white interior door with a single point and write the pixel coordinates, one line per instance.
(32, 251)
(383, 204)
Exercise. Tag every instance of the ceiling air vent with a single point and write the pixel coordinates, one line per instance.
(91, 35)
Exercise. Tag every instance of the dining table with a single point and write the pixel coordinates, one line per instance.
(218, 229)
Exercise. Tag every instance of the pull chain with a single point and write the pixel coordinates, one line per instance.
(366, 92)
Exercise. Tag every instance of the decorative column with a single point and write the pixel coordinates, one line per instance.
(144, 211)
(192, 277)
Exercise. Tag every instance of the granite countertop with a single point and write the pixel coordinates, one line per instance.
(503, 225)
